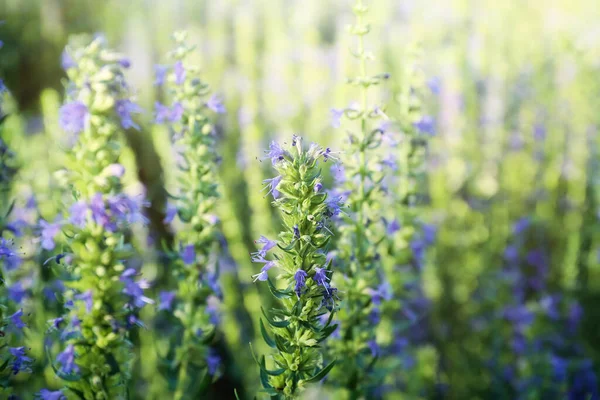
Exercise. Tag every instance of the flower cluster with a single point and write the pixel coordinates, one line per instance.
(103, 293)
(195, 302)
(307, 301)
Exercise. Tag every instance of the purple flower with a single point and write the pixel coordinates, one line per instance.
(125, 63)
(67, 61)
(15, 319)
(318, 186)
(320, 277)
(215, 104)
(296, 232)
(434, 85)
(339, 173)
(328, 154)
(520, 226)
(176, 112)
(73, 117)
(262, 276)
(519, 315)
(20, 362)
(67, 360)
(46, 394)
(170, 214)
(392, 227)
(383, 292)
(539, 132)
(78, 214)
(124, 110)
(575, 315)
(87, 298)
(300, 278)
(329, 298)
(48, 233)
(272, 186)
(16, 292)
(55, 323)
(212, 361)
(275, 152)
(135, 290)
(334, 206)
(374, 347)
(116, 170)
(336, 117)
(390, 162)
(161, 73)
(212, 309)
(425, 125)
(188, 254)
(179, 73)
(164, 113)
(267, 245)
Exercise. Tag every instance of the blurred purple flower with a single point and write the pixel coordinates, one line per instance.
(67, 360)
(215, 104)
(179, 71)
(124, 109)
(73, 117)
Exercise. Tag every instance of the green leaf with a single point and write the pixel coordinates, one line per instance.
(280, 294)
(268, 340)
(263, 366)
(327, 331)
(272, 322)
(322, 373)
(79, 393)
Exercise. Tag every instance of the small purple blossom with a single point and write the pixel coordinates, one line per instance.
(17, 292)
(318, 186)
(179, 71)
(215, 104)
(125, 63)
(275, 152)
(124, 109)
(20, 361)
(135, 290)
(67, 360)
(87, 299)
(374, 347)
(78, 214)
(267, 245)
(425, 125)
(300, 278)
(392, 227)
(73, 117)
(188, 254)
(320, 277)
(166, 300)
(164, 113)
(271, 184)
(46, 394)
(262, 276)
(336, 117)
(67, 61)
(212, 361)
(48, 234)
(161, 73)
(170, 214)
(16, 320)
(329, 155)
